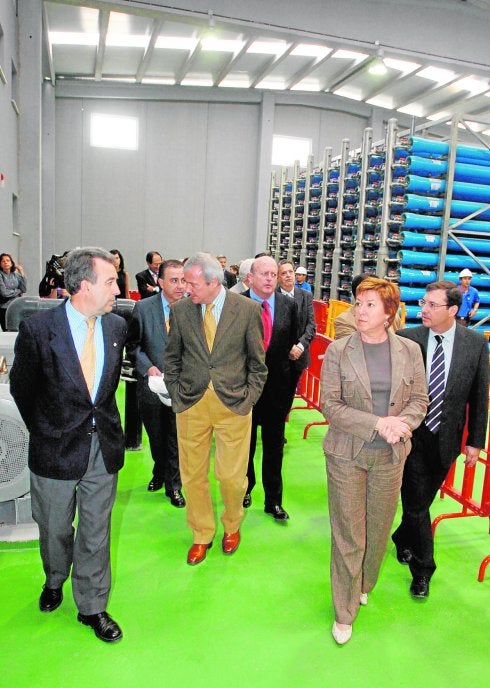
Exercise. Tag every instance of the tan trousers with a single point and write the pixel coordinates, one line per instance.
(362, 501)
(195, 428)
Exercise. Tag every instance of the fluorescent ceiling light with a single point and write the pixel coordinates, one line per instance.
(235, 81)
(163, 81)
(349, 55)
(121, 79)
(439, 115)
(268, 47)
(273, 84)
(486, 132)
(349, 92)
(222, 46)
(119, 40)
(474, 126)
(310, 50)
(441, 76)
(176, 43)
(307, 85)
(414, 109)
(73, 38)
(471, 84)
(401, 65)
(197, 81)
(382, 101)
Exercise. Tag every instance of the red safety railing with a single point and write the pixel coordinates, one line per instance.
(471, 505)
(309, 384)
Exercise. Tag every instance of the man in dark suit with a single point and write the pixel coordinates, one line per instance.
(274, 404)
(300, 351)
(64, 377)
(147, 280)
(229, 279)
(145, 346)
(457, 374)
(215, 371)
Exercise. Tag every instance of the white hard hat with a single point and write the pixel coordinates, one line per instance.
(301, 271)
(465, 273)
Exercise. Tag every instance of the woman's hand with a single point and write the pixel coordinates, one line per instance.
(393, 429)
(20, 270)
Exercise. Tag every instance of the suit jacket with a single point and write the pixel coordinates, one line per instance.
(346, 398)
(306, 325)
(345, 323)
(276, 395)
(235, 365)
(48, 386)
(143, 279)
(467, 383)
(147, 335)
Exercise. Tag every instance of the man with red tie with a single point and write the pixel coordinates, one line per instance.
(279, 321)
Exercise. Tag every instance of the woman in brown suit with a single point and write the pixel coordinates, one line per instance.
(373, 396)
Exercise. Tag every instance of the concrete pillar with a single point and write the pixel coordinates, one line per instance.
(264, 157)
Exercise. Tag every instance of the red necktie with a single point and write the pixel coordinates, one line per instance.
(267, 324)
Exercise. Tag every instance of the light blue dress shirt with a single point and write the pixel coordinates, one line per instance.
(78, 328)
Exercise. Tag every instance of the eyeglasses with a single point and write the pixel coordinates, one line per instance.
(432, 305)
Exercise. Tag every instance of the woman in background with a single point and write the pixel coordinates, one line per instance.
(373, 396)
(12, 284)
(122, 275)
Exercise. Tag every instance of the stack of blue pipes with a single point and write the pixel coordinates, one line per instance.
(416, 219)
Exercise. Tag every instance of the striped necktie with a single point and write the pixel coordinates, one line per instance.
(436, 387)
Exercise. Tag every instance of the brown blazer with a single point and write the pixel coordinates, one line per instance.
(346, 395)
(345, 323)
(236, 364)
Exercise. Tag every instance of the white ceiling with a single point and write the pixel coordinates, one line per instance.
(136, 44)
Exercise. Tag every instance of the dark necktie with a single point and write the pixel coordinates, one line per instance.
(267, 324)
(436, 387)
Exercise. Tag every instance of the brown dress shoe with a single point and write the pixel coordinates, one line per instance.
(197, 553)
(230, 542)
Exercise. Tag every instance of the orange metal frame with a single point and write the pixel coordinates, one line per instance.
(470, 506)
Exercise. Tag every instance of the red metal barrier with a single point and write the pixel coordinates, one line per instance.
(309, 385)
(470, 505)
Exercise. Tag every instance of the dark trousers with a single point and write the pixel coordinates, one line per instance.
(272, 423)
(86, 550)
(160, 425)
(422, 478)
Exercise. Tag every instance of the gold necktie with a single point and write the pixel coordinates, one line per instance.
(87, 359)
(209, 325)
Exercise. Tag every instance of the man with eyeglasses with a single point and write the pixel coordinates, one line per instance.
(457, 377)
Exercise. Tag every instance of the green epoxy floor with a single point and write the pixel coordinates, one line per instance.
(260, 618)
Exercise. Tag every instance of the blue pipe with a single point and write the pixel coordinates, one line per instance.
(461, 190)
(428, 147)
(421, 240)
(414, 221)
(426, 167)
(425, 258)
(428, 204)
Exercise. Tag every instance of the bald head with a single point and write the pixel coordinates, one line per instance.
(264, 276)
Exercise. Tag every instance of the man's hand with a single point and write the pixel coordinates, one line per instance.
(472, 454)
(153, 371)
(295, 353)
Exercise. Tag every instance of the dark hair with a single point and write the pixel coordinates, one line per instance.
(13, 268)
(356, 281)
(150, 254)
(388, 293)
(115, 252)
(284, 261)
(453, 295)
(170, 263)
(79, 266)
(264, 253)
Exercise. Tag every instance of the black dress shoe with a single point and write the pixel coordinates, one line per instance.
(247, 501)
(155, 484)
(404, 555)
(420, 587)
(104, 627)
(50, 599)
(277, 512)
(176, 498)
